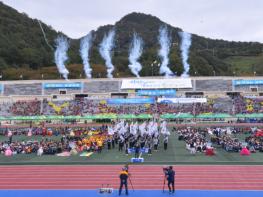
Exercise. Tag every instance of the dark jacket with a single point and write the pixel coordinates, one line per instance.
(170, 175)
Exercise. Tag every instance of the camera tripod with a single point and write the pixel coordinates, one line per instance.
(164, 182)
(131, 184)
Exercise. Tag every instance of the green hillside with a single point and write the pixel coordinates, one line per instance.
(246, 65)
(23, 47)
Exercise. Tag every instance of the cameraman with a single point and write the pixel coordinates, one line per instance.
(124, 175)
(170, 173)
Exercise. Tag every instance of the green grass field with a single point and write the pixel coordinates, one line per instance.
(176, 154)
(246, 65)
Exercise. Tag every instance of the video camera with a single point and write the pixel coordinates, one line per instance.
(165, 169)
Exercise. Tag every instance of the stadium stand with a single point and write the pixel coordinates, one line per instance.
(222, 94)
(23, 89)
(102, 86)
(5, 108)
(213, 85)
(26, 108)
(248, 105)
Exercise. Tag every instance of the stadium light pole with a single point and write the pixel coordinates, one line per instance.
(255, 73)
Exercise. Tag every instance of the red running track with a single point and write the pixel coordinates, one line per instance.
(143, 177)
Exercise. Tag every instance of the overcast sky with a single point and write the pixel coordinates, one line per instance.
(239, 20)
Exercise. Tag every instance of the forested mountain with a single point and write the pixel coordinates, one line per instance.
(23, 49)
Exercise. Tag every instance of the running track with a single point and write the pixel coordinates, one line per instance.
(143, 177)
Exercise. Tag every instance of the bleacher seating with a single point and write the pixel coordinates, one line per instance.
(23, 89)
(213, 85)
(101, 86)
(5, 108)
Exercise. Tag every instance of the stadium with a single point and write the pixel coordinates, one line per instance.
(86, 114)
(139, 107)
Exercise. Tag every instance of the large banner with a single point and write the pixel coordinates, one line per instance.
(62, 85)
(160, 92)
(131, 101)
(58, 108)
(248, 82)
(156, 83)
(181, 100)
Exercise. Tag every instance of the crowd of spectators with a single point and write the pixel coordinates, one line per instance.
(246, 105)
(87, 106)
(236, 105)
(68, 140)
(229, 143)
(5, 108)
(226, 139)
(80, 139)
(26, 147)
(195, 139)
(64, 142)
(26, 108)
(255, 142)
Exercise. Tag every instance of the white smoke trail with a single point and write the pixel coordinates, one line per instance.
(135, 52)
(105, 51)
(185, 45)
(165, 43)
(43, 32)
(85, 45)
(62, 46)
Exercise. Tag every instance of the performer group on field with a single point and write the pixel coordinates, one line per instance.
(137, 138)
